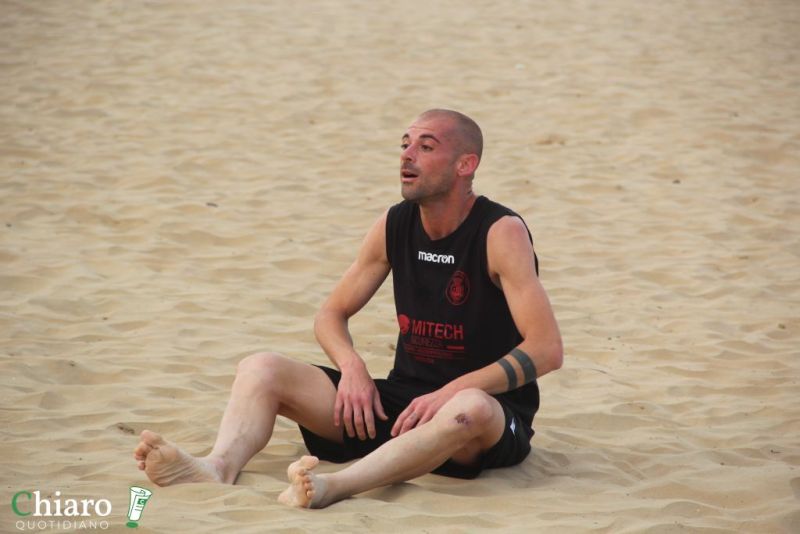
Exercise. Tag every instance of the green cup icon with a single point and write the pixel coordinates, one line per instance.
(139, 497)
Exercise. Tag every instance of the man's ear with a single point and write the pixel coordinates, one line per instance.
(467, 164)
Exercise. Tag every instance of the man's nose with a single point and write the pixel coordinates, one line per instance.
(407, 154)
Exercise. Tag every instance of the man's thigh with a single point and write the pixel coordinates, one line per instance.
(394, 398)
(307, 398)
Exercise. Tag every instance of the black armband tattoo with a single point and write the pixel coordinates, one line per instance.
(510, 373)
(525, 361)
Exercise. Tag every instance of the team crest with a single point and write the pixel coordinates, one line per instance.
(458, 288)
(404, 322)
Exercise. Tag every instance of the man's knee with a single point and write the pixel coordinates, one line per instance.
(472, 409)
(476, 419)
(263, 366)
(258, 362)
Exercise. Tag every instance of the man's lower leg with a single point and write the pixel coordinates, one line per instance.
(407, 456)
(246, 425)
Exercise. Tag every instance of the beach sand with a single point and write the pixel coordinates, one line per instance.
(182, 183)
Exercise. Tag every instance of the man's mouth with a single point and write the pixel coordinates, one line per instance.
(408, 174)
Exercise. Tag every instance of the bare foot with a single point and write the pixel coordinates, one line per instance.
(306, 490)
(166, 464)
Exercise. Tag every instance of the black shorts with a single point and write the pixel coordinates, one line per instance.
(512, 448)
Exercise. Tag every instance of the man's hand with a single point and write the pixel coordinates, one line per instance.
(421, 410)
(357, 400)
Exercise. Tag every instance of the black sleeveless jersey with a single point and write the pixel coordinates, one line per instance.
(452, 318)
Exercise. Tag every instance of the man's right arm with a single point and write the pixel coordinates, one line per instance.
(357, 398)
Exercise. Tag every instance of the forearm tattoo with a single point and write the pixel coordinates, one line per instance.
(525, 362)
(510, 373)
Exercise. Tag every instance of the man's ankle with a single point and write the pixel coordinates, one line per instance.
(221, 468)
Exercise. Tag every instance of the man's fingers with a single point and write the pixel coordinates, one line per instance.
(357, 413)
(347, 415)
(412, 417)
(337, 411)
(402, 423)
(369, 421)
(398, 423)
(379, 408)
(410, 422)
(358, 422)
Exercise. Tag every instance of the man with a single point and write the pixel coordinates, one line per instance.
(476, 330)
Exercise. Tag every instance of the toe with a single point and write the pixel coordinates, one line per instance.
(309, 462)
(151, 439)
(300, 467)
(140, 453)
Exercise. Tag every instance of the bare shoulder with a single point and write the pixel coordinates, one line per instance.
(374, 245)
(508, 236)
(507, 230)
(509, 248)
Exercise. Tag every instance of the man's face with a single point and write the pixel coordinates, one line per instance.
(427, 160)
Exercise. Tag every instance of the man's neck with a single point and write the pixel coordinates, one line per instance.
(442, 217)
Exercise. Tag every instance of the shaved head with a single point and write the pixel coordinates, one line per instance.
(465, 131)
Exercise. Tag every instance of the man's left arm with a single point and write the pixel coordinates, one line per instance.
(512, 268)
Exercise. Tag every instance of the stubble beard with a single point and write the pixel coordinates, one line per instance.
(419, 192)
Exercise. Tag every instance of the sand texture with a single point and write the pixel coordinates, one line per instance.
(182, 183)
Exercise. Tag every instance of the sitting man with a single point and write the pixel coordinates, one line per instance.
(476, 330)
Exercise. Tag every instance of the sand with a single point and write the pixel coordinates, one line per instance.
(182, 183)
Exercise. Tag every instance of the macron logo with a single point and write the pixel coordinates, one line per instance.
(436, 258)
